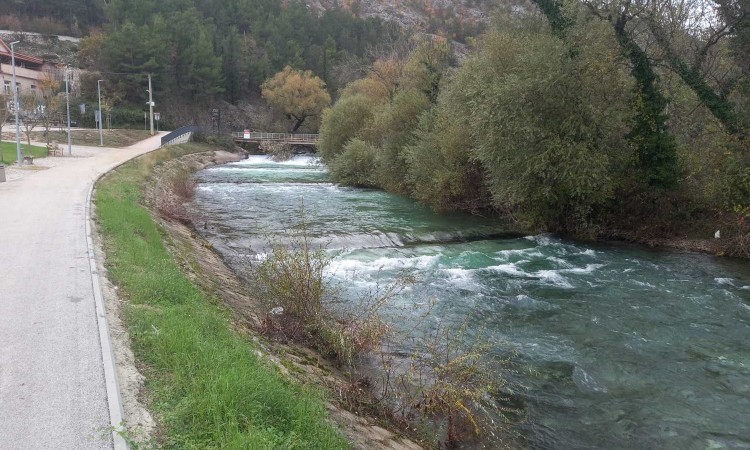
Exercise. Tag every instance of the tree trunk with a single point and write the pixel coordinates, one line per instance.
(298, 121)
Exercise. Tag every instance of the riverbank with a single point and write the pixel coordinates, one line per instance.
(291, 373)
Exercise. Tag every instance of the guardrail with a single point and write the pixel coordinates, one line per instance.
(286, 137)
(179, 135)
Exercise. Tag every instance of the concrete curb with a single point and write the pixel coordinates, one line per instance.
(110, 371)
(114, 400)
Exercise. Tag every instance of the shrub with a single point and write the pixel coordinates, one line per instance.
(356, 165)
(299, 303)
(342, 123)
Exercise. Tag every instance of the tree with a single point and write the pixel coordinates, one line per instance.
(49, 112)
(342, 123)
(30, 109)
(656, 146)
(549, 129)
(5, 113)
(298, 95)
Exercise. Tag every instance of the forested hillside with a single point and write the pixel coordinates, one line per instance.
(204, 49)
(200, 52)
(621, 118)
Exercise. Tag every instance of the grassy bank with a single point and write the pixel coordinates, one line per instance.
(9, 151)
(112, 138)
(205, 384)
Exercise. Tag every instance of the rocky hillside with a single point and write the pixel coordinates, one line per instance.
(55, 49)
(453, 19)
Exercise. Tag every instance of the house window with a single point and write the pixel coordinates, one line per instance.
(33, 87)
(6, 88)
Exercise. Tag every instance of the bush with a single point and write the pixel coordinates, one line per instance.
(342, 123)
(299, 303)
(550, 129)
(356, 165)
(441, 170)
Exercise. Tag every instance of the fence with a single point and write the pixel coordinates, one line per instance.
(179, 136)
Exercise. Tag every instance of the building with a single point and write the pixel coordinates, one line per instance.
(30, 71)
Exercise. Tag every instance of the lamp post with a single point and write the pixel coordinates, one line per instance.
(151, 104)
(101, 131)
(67, 105)
(15, 102)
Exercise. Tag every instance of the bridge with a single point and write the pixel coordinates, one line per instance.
(258, 137)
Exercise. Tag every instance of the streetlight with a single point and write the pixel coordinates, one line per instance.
(15, 102)
(101, 131)
(151, 104)
(67, 104)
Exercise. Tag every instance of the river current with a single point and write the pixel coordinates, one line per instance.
(622, 347)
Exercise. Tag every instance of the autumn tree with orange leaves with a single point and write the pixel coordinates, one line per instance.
(297, 94)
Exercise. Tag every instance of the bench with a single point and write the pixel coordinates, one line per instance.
(54, 149)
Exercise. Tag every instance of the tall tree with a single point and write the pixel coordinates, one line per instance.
(656, 146)
(297, 94)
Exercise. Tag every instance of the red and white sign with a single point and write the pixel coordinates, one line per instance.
(246, 134)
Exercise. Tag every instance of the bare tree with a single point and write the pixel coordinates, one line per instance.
(30, 110)
(5, 112)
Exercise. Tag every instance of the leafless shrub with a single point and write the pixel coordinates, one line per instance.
(170, 203)
(446, 385)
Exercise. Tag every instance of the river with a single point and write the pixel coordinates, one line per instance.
(625, 347)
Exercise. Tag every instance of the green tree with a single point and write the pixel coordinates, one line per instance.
(441, 169)
(550, 129)
(348, 117)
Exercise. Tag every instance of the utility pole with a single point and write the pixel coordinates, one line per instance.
(67, 104)
(151, 104)
(101, 114)
(19, 161)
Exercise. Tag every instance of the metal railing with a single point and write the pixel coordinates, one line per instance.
(287, 137)
(165, 140)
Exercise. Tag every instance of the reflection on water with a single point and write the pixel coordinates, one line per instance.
(629, 348)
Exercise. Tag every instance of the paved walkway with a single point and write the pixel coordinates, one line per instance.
(52, 385)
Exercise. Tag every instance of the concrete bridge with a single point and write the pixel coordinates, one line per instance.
(257, 137)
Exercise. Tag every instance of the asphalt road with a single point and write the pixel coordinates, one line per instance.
(52, 385)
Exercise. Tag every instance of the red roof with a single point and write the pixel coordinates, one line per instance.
(5, 51)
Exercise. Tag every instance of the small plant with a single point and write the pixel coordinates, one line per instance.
(171, 203)
(460, 386)
(184, 186)
(302, 305)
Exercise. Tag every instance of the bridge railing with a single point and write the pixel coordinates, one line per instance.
(180, 134)
(289, 137)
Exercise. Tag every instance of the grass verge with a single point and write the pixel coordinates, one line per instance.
(112, 138)
(205, 384)
(9, 151)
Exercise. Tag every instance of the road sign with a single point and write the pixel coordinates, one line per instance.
(246, 134)
(157, 116)
(97, 116)
(83, 108)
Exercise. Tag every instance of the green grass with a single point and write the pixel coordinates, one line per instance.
(112, 138)
(207, 387)
(8, 150)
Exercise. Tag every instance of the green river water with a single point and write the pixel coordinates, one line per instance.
(621, 347)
